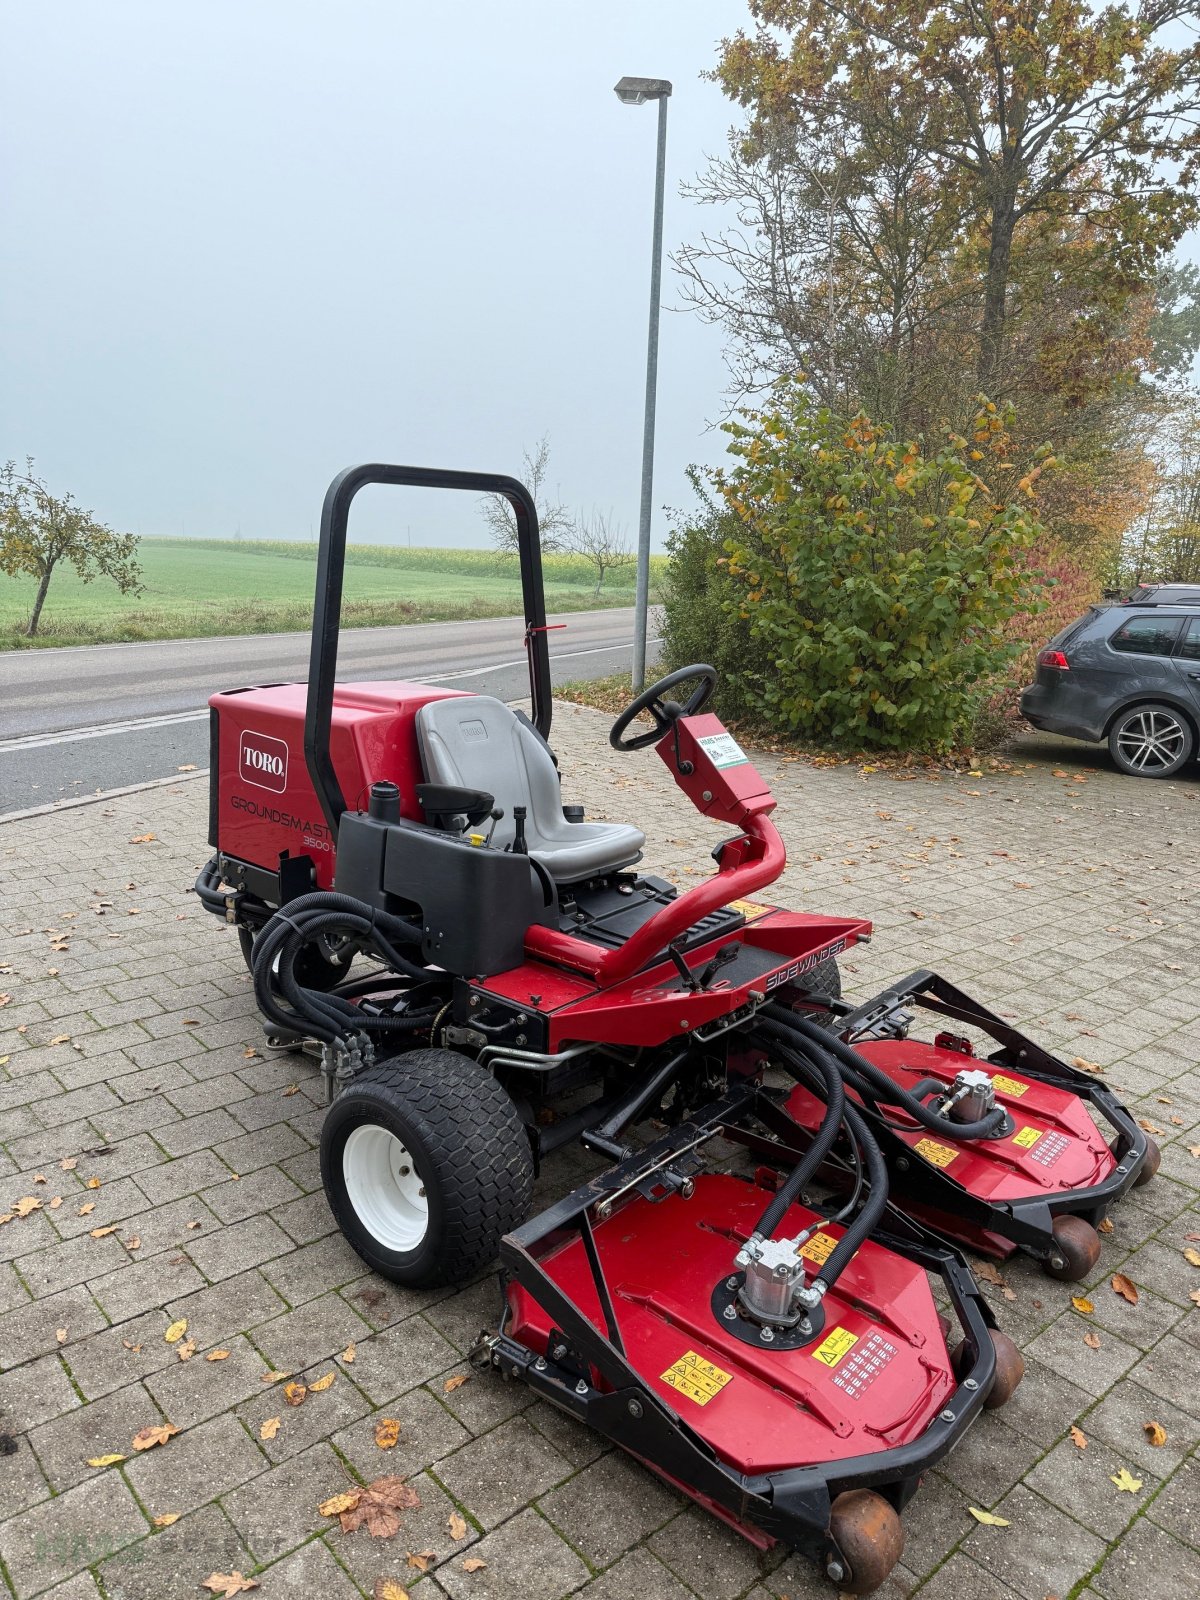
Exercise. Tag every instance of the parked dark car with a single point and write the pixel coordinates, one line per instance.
(1128, 673)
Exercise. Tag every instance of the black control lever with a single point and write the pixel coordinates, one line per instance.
(726, 954)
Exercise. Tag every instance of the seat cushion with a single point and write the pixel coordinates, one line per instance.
(476, 741)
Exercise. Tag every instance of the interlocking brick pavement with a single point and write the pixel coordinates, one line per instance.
(137, 1083)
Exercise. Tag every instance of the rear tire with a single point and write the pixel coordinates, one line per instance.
(1151, 741)
(426, 1166)
(1150, 1165)
(1076, 1249)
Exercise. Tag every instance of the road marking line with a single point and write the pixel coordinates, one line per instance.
(42, 741)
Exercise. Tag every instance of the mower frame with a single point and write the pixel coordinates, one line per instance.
(1027, 1221)
(791, 1506)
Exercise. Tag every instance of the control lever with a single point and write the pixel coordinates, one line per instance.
(726, 954)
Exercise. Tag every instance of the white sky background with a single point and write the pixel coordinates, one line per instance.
(249, 242)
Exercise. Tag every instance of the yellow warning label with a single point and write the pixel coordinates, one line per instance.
(819, 1248)
(749, 908)
(940, 1154)
(1027, 1137)
(835, 1345)
(1008, 1085)
(696, 1378)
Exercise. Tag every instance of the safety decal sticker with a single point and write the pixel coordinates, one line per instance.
(696, 1378)
(1049, 1148)
(749, 908)
(819, 1248)
(940, 1154)
(864, 1366)
(1005, 1085)
(834, 1346)
(1027, 1137)
(723, 750)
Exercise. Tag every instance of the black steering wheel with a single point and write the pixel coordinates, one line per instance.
(665, 712)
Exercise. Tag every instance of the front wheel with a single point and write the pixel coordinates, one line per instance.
(1151, 741)
(426, 1166)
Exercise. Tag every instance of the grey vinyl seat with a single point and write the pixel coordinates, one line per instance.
(477, 742)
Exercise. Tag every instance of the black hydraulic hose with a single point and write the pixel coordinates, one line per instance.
(818, 1064)
(887, 1089)
(858, 1231)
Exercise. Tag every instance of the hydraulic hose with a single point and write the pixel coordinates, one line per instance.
(885, 1088)
(829, 1086)
(858, 1231)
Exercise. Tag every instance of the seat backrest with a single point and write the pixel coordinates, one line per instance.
(478, 742)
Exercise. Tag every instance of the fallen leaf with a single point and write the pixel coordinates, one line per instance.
(1155, 1433)
(1125, 1481)
(132, 1244)
(176, 1331)
(1105, 1225)
(295, 1393)
(474, 1564)
(186, 1350)
(1145, 1123)
(68, 1163)
(191, 1022)
(167, 1518)
(86, 1209)
(189, 766)
(421, 1560)
(157, 1433)
(1086, 1066)
(142, 838)
(320, 1386)
(1192, 1256)
(1194, 1151)
(378, 1507)
(105, 1461)
(274, 1377)
(26, 1205)
(1092, 1340)
(61, 1038)
(102, 1233)
(217, 1355)
(1123, 1287)
(387, 1433)
(457, 1381)
(456, 1526)
(61, 1335)
(270, 1428)
(129, 1345)
(56, 1202)
(389, 1589)
(988, 1520)
(1194, 1296)
(92, 1183)
(226, 1584)
(1081, 1303)
(292, 1088)
(337, 1503)
(1078, 1438)
(349, 1352)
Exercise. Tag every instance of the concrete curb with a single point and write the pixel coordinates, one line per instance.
(95, 799)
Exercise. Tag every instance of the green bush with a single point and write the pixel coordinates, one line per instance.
(871, 583)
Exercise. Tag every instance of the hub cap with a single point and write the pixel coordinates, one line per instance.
(1151, 740)
(384, 1188)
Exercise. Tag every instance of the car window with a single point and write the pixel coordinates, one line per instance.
(1146, 636)
(1190, 648)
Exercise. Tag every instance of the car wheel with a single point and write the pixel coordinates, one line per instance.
(1151, 741)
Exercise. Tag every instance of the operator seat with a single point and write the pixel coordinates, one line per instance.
(477, 742)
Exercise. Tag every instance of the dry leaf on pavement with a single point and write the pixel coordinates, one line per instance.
(322, 1384)
(105, 1461)
(474, 1564)
(387, 1433)
(217, 1355)
(157, 1433)
(295, 1393)
(422, 1560)
(1078, 1438)
(376, 1508)
(1125, 1480)
(988, 1520)
(167, 1518)
(1082, 1303)
(456, 1525)
(270, 1428)
(1192, 1256)
(389, 1589)
(455, 1382)
(1125, 1288)
(227, 1584)
(1092, 1340)
(176, 1331)
(349, 1352)
(186, 1350)
(1155, 1433)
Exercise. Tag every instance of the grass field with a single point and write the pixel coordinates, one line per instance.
(192, 588)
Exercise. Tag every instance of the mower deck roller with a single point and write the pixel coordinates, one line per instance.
(485, 976)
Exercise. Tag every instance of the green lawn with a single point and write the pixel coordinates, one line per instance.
(197, 587)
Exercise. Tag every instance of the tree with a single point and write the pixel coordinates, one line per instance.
(601, 540)
(1164, 544)
(1024, 107)
(38, 530)
(554, 520)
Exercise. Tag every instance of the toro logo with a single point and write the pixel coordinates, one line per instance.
(263, 761)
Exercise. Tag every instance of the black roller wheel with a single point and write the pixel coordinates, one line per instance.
(1010, 1368)
(318, 967)
(1150, 1165)
(1076, 1249)
(426, 1166)
(1151, 741)
(870, 1537)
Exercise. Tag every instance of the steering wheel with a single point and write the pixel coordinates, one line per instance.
(665, 712)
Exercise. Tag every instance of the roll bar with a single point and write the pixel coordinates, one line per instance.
(327, 611)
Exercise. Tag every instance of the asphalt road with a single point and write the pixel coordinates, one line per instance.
(82, 721)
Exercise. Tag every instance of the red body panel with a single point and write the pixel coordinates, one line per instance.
(1054, 1148)
(653, 1006)
(874, 1378)
(266, 805)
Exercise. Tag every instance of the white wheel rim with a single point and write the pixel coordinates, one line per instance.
(1150, 741)
(385, 1188)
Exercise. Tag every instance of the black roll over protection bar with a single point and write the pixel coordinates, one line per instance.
(327, 612)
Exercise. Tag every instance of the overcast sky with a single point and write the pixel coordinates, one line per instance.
(246, 244)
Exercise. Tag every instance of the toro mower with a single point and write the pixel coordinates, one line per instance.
(485, 977)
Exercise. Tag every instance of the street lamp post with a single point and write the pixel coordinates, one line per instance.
(635, 92)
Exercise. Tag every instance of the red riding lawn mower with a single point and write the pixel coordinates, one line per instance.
(486, 977)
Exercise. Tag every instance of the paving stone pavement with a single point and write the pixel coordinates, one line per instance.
(174, 1160)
